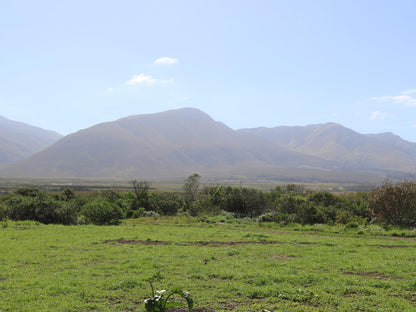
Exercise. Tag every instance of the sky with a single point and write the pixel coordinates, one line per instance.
(67, 65)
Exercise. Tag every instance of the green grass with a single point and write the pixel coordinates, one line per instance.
(226, 267)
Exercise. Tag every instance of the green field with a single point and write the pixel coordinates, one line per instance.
(226, 267)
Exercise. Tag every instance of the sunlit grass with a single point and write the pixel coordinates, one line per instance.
(225, 266)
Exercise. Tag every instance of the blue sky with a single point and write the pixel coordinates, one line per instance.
(67, 65)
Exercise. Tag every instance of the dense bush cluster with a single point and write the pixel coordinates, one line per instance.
(390, 204)
(394, 203)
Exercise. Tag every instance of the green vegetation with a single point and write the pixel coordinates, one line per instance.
(161, 300)
(234, 248)
(390, 204)
(237, 266)
(394, 204)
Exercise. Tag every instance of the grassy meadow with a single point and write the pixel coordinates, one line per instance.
(242, 266)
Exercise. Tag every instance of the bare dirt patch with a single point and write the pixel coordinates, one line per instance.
(392, 246)
(282, 257)
(370, 274)
(136, 242)
(186, 310)
(201, 243)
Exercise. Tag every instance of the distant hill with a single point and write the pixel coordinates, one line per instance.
(169, 144)
(350, 149)
(19, 140)
(177, 143)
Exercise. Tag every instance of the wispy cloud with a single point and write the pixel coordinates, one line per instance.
(406, 98)
(378, 115)
(411, 91)
(112, 90)
(166, 61)
(141, 79)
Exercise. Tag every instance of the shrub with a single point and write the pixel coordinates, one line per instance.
(166, 203)
(66, 213)
(101, 212)
(29, 204)
(243, 201)
(394, 203)
(4, 212)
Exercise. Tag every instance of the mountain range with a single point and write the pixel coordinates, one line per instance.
(180, 142)
(19, 140)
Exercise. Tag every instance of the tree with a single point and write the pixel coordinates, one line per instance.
(141, 190)
(394, 203)
(244, 202)
(191, 188)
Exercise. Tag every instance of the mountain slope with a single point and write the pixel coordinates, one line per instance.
(19, 140)
(172, 143)
(334, 142)
(180, 142)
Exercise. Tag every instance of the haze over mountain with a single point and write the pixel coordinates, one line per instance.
(350, 149)
(19, 140)
(172, 143)
(180, 142)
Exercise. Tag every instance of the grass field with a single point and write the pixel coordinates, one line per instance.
(226, 267)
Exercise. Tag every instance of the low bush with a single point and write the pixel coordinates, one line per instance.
(101, 212)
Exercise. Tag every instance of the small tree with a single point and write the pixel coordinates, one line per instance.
(191, 188)
(394, 203)
(141, 190)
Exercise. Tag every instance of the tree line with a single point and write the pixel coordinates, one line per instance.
(388, 203)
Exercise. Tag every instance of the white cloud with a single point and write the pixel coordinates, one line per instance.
(405, 98)
(166, 60)
(414, 125)
(411, 91)
(141, 79)
(378, 115)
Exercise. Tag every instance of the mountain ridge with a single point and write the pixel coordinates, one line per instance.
(19, 140)
(179, 142)
(335, 142)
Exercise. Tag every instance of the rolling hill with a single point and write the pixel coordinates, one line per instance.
(19, 140)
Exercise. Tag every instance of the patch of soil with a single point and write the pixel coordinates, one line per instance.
(186, 310)
(392, 246)
(235, 243)
(136, 242)
(201, 243)
(370, 274)
(282, 257)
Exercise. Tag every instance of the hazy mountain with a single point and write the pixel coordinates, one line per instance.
(350, 149)
(169, 144)
(19, 140)
(180, 142)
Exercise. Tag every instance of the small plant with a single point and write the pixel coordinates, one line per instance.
(160, 300)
